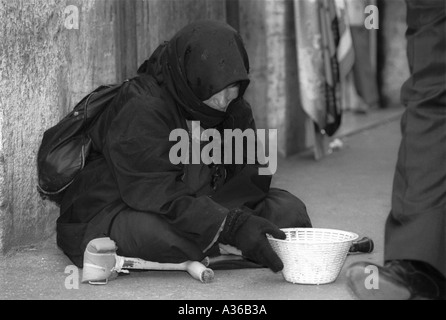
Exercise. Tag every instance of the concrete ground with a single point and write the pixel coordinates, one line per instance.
(348, 190)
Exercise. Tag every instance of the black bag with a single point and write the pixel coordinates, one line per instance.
(66, 146)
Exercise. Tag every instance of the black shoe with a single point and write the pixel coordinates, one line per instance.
(396, 280)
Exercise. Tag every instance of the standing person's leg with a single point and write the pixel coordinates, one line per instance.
(415, 229)
(415, 239)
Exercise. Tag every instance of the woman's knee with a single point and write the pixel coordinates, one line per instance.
(286, 210)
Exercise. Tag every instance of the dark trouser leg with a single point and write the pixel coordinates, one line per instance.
(150, 237)
(416, 229)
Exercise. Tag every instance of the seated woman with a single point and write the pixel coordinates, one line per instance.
(158, 211)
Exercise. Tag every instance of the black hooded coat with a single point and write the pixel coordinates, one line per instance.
(129, 171)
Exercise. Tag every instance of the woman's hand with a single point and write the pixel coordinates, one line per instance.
(248, 232)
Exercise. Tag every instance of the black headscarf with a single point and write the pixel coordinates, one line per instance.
(202, 59)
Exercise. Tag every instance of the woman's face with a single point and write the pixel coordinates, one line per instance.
(221, 100)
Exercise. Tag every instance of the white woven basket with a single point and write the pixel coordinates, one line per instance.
(312, 255)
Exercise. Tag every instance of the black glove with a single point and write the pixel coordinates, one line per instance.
(247, 232)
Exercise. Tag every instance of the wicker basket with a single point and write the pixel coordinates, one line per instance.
(311, 255)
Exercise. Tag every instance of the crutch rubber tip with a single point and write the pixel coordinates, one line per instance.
(207, 276)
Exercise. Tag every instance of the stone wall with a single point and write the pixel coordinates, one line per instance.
(44, 69)
(268, 30)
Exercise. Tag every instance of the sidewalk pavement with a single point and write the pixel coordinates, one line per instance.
(348, 190)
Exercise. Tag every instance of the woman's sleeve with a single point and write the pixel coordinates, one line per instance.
(137, 150)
